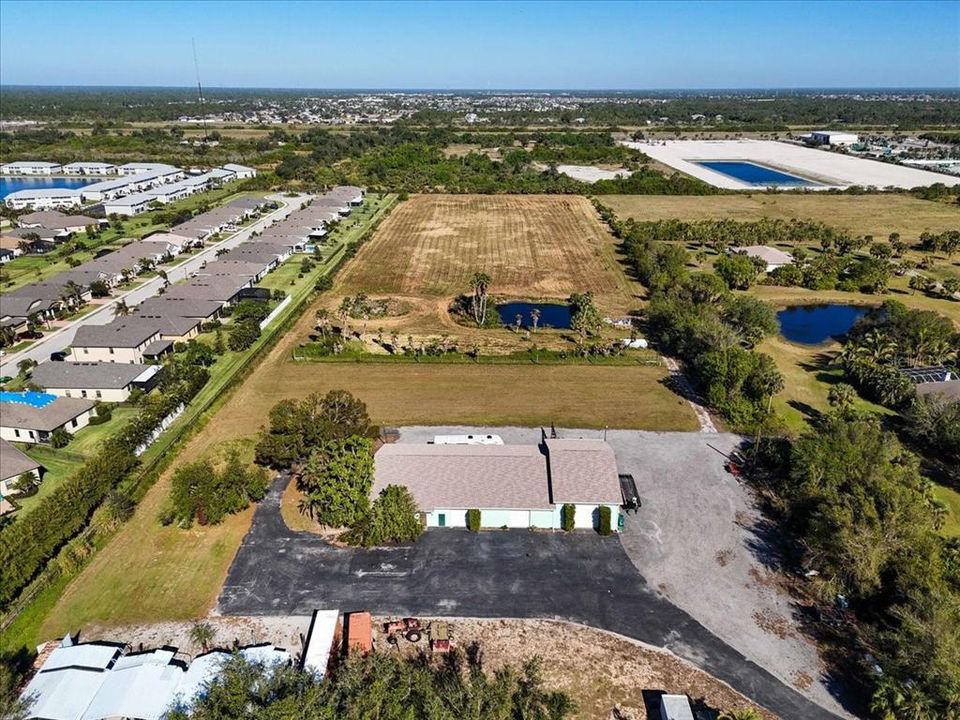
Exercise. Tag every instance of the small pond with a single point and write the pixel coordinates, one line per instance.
(551, 314)
(814, 324)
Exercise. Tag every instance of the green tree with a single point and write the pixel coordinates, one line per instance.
(585, 319)
(394, 518)
(738, 271)
(480, 285)
(59, 438)
(336, 481)
(202, 634)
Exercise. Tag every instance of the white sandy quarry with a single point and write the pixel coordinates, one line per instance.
(829, 169)
(590, 174)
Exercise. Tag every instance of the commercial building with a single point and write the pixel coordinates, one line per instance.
(109, 382)
(514, 486)
(43, 198)
(89, 168)
(30, 167)
(830, 137)
(35, 417)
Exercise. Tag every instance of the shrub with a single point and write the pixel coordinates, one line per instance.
(605, 520)
(59, 438)
(568, 515)
(473, 520)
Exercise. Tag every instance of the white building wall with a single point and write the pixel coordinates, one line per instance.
(114, 355)
(104, 394)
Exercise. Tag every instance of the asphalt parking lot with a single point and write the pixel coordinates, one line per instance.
(578, 577)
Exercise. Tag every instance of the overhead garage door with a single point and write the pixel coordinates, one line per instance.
(586, 517)
(518, 518)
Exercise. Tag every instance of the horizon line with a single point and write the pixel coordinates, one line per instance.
(810, 88)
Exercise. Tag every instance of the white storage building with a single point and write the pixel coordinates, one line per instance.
(514, 486)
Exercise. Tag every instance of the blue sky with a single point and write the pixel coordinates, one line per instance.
(484, 45)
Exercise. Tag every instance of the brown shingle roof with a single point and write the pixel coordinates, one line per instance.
(466, 476)
(583, 471)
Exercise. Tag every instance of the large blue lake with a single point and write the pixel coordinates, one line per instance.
(753, 174)
(12, 184)
(814, 324)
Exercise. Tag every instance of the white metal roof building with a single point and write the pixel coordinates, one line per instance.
(96, 681)
(30, 167)
(832, 137)
(89, 168)
(43, 198)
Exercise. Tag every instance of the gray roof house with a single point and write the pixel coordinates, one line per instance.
(124, 332)
(43, 419)
(14, 463)
(179, 307)
(90, 375)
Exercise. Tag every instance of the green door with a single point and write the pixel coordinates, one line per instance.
(442, 520)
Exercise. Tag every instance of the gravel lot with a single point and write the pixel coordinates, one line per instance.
(696, 541)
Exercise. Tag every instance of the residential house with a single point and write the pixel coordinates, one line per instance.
(58, 221)
(771, 257)
(109, 382)
(13, 464)
(124, 340)
(129, 205)
(34, 422)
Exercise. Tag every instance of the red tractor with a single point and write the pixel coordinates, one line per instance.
(410, 628)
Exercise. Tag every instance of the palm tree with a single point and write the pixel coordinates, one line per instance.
(877, 346)
(72, 293)
(518, 321)
(480, 283)
(841, 396)
(202, 634)
(120, 308)
(535, 318)
(323, 321)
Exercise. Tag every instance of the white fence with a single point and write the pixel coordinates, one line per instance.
(276, 311)
(164, 424)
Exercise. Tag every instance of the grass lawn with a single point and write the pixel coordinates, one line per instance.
(147, 572)
(59, 465)
(808, 374)
(62, 463)
(877, 215)
(951, 498)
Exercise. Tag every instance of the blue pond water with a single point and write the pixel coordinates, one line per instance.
(30, 397)
(551, 315)
(814, 324)
(12, 184)
(753, 174)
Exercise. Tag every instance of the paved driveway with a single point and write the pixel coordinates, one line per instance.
(578, 577)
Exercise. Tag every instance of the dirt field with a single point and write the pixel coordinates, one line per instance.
(531, 246)
(599, 670)
(877, 215)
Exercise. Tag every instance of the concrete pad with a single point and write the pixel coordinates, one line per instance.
(828, 169)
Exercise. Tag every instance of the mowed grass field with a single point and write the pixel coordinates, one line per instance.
(531, 246)
(877, 215)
